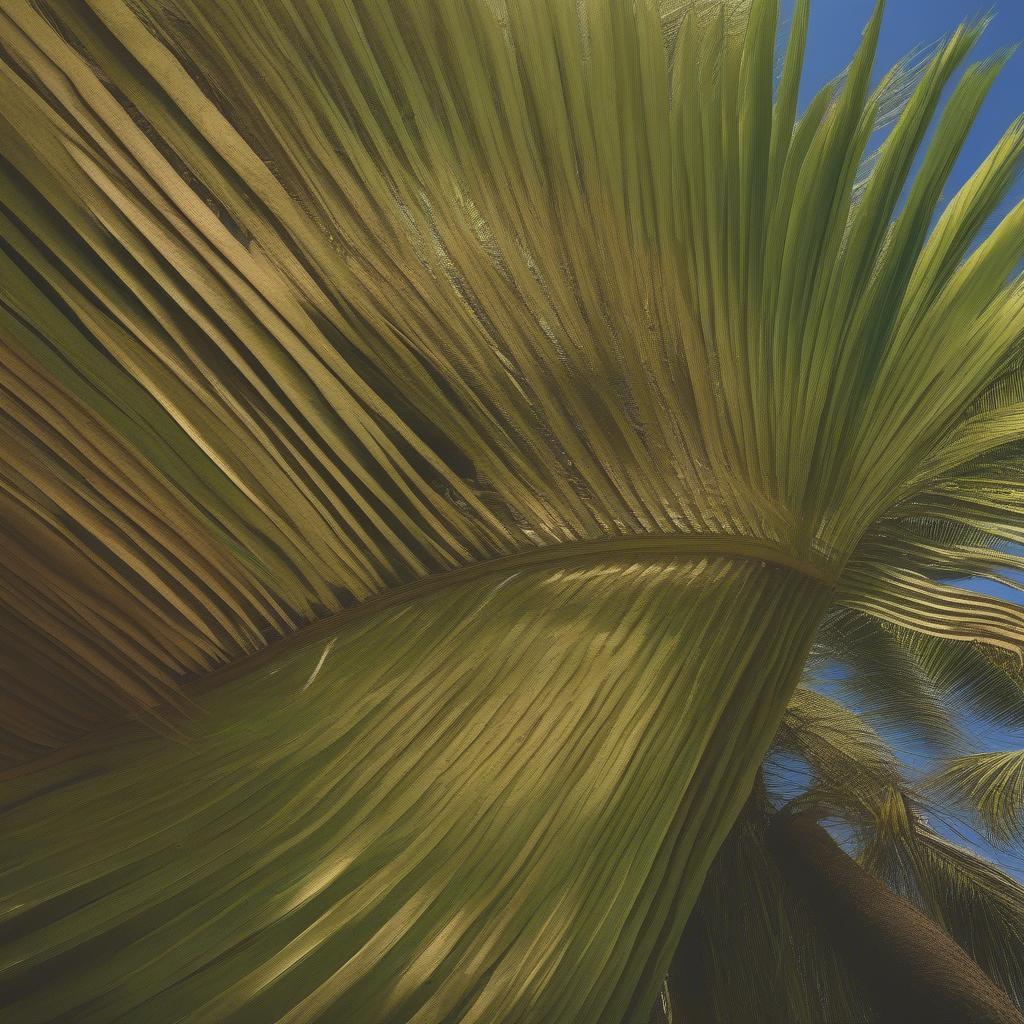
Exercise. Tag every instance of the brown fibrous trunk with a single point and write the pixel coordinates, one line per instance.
(912, 971)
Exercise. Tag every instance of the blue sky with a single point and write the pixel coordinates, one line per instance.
(835, 31)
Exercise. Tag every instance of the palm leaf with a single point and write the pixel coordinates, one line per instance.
(841, 749)
(983, 683)
(992, 785)
(914, 602)
(874, 669)
(532, 353)
(407, 823)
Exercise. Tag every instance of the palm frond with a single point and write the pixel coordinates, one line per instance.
(986, 683)
(991, 785)
(874, 670)
(913, 602)
(856, 780)
(558, 371)
(457, 802)
(840, 748)
(944, 551)
(366, 334)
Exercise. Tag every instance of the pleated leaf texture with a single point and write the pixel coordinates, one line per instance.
(543, 370)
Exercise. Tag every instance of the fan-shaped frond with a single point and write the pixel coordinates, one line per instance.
(402, 301)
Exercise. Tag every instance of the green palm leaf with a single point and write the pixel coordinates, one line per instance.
(544, 368)
(992, 784)
(405, 823)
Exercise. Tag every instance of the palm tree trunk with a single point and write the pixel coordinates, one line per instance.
(911, 969)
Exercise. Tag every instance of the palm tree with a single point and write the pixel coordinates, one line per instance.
(492, 397)
(788, 928)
